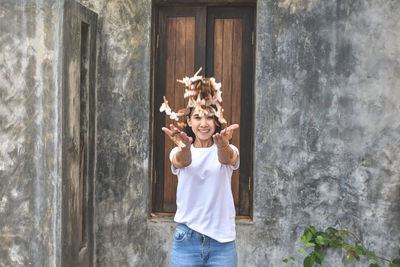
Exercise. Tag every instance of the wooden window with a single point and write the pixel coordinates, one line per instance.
(220, 40)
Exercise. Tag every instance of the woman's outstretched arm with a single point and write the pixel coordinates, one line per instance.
(226, 155)
(182, 158)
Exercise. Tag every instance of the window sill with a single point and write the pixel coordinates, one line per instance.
(169, 218)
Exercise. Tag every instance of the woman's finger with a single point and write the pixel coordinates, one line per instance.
(167, 131)
(233, 127)
(174, 129)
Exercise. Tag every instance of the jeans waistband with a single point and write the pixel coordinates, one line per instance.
(187, 229)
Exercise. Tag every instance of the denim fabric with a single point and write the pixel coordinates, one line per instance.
(194, 249)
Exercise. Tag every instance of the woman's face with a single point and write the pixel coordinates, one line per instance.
(202, 123)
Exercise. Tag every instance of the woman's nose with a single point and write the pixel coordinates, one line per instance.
(203, 121)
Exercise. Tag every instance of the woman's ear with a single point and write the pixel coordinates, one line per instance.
(188, 122)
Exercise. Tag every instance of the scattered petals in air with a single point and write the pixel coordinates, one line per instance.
(201, 93)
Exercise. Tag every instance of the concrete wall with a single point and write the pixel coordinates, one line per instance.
(327, 133)
(30, 131)
(327, 91)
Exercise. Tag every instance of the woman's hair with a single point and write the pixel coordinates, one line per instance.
(190, 133)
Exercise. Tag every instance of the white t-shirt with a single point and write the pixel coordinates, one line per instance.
(204, 197)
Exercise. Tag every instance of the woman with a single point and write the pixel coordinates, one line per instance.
(205, 235)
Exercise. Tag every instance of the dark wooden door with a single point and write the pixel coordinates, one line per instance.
(218, 39)
(78, 115)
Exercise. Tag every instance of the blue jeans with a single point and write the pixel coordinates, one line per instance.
(194, 249)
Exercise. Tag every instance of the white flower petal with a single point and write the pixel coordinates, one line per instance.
(163, 107)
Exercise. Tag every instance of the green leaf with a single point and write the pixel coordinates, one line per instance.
(310, 244)
(347, 248)
(302, 251)
(319, 256)
(360, 250)
(356, 256)
(307, 236)
(332, 230)
(320, 240)
(371, 255)
(348, 258)
(334, 243)
(396, 261)
(344, 234)
(308, 261)
(373, 265)
(392, 265)
(325, 235)
(285, 260)
(292, 258)
(312, 229)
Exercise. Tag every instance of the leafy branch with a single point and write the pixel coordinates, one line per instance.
(333, 238)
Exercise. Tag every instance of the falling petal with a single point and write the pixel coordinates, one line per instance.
(181, 125)
(163, 107)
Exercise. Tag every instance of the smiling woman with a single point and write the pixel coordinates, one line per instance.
(204, 162)
(194, 117)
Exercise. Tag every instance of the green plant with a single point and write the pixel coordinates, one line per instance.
(333, 238)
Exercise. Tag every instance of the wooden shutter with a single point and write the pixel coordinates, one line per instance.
(184, 40)
(181, 38)
(230, 60)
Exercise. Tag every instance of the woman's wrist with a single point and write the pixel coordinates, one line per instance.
(223, 147)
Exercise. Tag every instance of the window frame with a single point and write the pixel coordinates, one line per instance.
(157, 5)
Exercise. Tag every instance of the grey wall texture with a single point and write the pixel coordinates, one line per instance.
(30, 131)
(327, 136)
(327, 131)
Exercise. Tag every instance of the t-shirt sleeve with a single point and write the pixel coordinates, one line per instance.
(174, 170)
(237, 163)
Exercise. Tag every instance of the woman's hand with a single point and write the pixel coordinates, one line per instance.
(226, 155)
(179, 138)
(183, 157)
(222, 139)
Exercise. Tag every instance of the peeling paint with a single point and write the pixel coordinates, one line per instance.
(297, 6)
(3, 203)
(16, 255)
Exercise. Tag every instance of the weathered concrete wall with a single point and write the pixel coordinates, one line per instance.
(327, 90)
(123, 235)
(327, 132)
(29, 137)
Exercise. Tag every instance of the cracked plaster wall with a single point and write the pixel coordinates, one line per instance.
(327, 133)
(29, 137)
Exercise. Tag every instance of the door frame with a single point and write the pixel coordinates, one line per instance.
(77, 236)
(155, 96)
